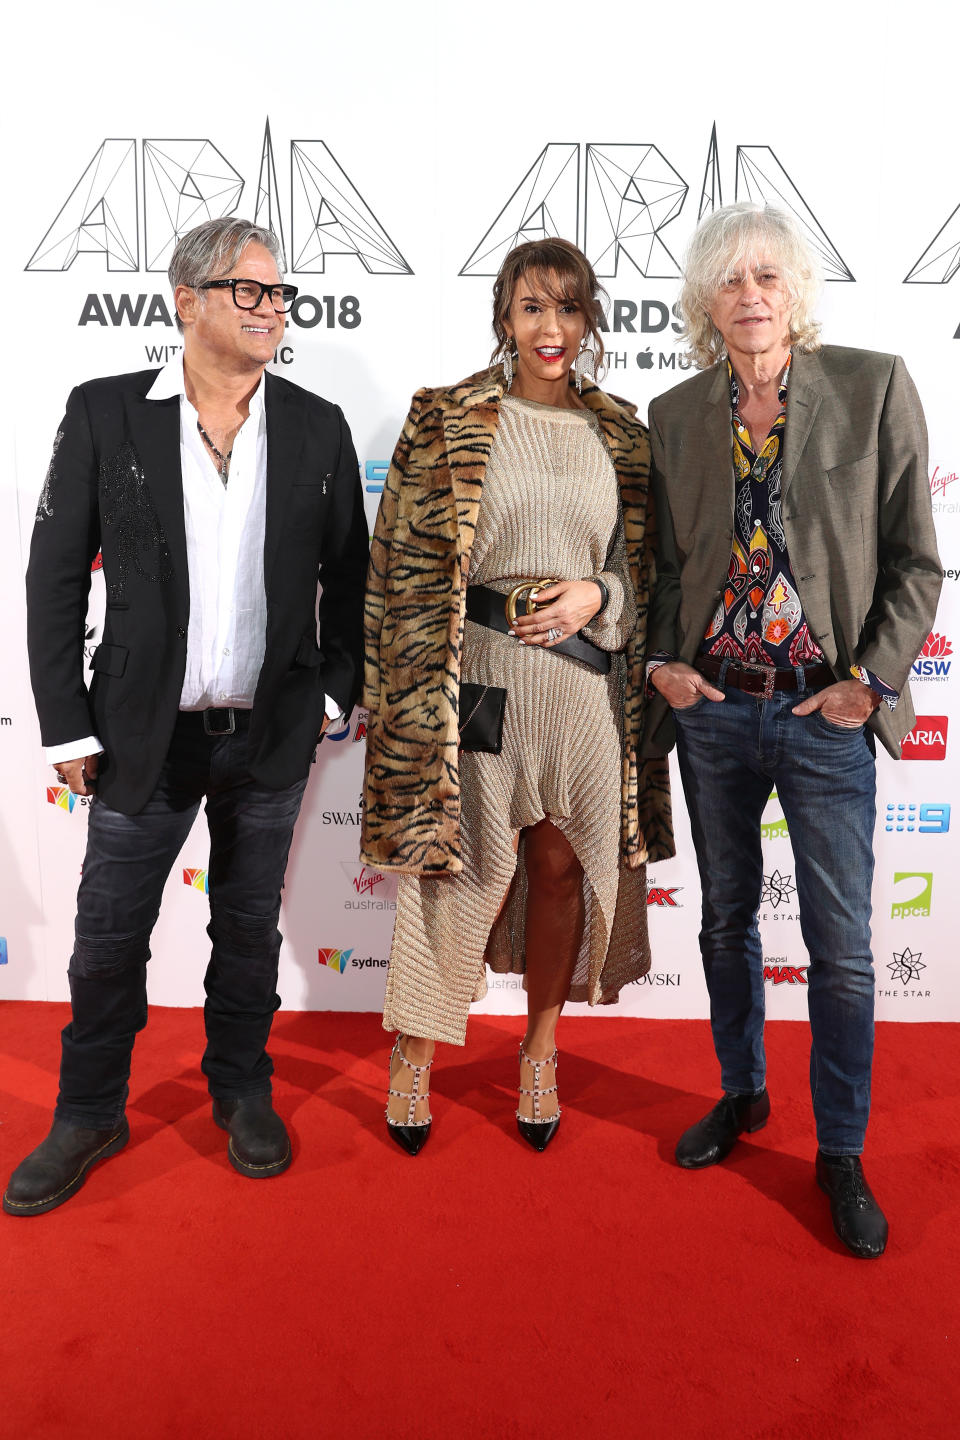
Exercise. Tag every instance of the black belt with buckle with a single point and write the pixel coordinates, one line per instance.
(763, 680)
(489, 607)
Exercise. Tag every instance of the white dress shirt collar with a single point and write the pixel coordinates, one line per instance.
(170, 382)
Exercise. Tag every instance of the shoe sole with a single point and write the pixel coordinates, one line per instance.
(244, 1167)
(705, 1164)
(40, 1207)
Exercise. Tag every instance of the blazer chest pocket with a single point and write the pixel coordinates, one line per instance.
(316, 480)
(855, 482)
(109, 660)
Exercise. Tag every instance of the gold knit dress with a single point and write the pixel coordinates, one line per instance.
(550, 507)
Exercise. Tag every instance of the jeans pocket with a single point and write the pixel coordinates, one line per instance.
(832, 728)
(698, 704)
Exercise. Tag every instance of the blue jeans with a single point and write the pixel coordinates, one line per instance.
(127, 862)
(731, 754)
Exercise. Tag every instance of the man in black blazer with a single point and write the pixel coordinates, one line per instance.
(218, 494)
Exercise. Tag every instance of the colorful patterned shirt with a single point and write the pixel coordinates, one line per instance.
(759, 619)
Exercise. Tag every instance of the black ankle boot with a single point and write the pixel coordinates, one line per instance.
(713, 1137)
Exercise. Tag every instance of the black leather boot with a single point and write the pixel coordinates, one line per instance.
(259, 1145)
(713, 1137)
(857, 1218)
(59, 1165)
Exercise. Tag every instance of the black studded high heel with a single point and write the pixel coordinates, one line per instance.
(410, 1134)
(539, 1130)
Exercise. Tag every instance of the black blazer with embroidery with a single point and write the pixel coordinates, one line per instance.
(114, 484)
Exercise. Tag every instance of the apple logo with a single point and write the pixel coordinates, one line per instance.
(645, 359)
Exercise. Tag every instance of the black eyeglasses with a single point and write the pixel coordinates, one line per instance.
(247, 294)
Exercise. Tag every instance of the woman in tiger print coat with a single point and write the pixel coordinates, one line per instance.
(572, 912)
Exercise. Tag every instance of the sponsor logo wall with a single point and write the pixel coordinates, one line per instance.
(393, 218)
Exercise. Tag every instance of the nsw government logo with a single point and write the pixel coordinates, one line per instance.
(933, 662)
(915, 894)
(197, 879)
(927, 740)
(335, 960)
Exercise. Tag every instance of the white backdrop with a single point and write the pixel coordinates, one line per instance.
(399, 158)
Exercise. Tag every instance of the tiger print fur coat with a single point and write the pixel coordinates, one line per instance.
(413, 629)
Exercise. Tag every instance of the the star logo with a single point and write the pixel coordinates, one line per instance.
(777, 889)
(906, 966)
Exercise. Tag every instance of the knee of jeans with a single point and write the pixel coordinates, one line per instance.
(242, 932)
(95, 956)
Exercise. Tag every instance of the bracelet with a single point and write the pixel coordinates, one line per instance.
(604, 594)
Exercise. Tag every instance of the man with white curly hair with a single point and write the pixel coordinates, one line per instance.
(798, 578)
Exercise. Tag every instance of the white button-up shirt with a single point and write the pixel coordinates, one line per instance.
(224, 524)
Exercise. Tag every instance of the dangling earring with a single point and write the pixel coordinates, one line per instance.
(585, 364)
(507, 368)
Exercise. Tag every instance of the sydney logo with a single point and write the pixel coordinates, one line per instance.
(336, 960)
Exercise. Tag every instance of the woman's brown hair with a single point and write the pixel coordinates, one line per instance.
(560, 272)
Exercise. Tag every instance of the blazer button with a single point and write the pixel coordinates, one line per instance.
(181, 633)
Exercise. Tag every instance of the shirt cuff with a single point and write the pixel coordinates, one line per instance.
(887, 694)
(72, 750)
(333, 711)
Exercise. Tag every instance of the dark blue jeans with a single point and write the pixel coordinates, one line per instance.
(731, 754)
(127, 862)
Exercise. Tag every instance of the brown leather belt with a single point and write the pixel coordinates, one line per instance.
(763, 680)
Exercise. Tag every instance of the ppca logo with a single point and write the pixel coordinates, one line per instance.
(776, 827)
(920, 883)
(927, 740)
(336, 960)
(63, 797)
(932, 662)
(197, 879)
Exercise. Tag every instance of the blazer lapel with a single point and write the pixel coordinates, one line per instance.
(803, 402)
(285, 422)
(155, 431)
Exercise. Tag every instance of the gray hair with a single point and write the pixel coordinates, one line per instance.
(209, 250)
(742, 235)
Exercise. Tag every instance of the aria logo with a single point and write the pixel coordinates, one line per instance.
(63, 797)
(920, 882)
(616, 202)
(335, 960)
(927, 740)
(905, 966)
(777, 889)
(197, 880)
(932, 662)
(186, 181)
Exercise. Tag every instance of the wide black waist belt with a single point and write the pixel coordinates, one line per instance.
(488, 607)
(763, 679)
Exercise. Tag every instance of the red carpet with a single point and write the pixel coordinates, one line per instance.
(481, 1290)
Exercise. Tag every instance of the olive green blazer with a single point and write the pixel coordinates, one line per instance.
(856, 515)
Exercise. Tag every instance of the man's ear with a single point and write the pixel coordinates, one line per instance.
(188, 302)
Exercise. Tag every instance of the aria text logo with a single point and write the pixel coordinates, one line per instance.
(927, 740)
(932, 662)
(335, 960)
(915, 888)
(927, 819)
(196, 879)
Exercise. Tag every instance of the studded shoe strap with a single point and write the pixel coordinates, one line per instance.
(538, 1092)
(413, 1094)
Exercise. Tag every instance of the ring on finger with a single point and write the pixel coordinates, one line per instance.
(554, 633)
